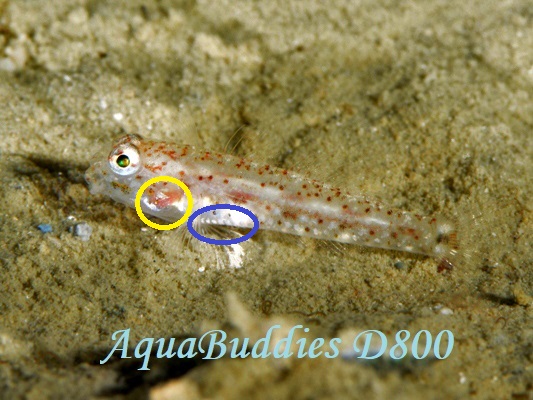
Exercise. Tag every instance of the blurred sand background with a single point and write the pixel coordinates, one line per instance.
(425, 104)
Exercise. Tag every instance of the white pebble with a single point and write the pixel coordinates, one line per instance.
(83, 231)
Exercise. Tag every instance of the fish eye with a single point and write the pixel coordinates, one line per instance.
(124, 160)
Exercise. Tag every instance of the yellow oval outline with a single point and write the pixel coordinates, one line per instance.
(173, 225)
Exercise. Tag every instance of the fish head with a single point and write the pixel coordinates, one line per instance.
(132, 161)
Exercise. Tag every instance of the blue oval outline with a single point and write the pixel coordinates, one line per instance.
(222, 242)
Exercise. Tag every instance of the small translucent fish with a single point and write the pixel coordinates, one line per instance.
(282, 200)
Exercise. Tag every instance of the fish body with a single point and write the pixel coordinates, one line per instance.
(282, 200)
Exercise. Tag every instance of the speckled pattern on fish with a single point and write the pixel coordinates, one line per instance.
(282, 200)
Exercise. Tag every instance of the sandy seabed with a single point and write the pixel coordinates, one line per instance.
(425, 104)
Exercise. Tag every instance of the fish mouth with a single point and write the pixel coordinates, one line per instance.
(95, 178)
